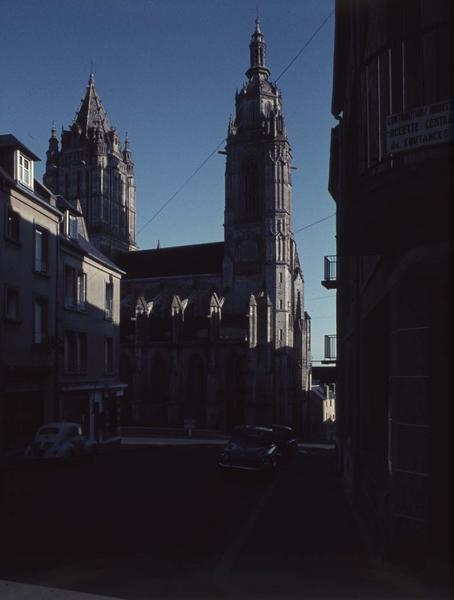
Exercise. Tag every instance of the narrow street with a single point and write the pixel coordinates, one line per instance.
(159, 522)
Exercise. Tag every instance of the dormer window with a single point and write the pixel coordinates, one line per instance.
(70, 225)
(24, 169)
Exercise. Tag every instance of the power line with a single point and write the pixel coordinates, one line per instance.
(185, 182)
(314, 223)
(167, 202)
(305, 46)
(320, 297)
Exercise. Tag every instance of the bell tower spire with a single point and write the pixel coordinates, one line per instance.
(259, 242)
(258, 68)
(100, 175)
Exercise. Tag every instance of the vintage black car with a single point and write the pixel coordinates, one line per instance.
(250, 449)
(285, 439)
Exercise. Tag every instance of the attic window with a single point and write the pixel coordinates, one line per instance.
(24, 169)
(70, 225)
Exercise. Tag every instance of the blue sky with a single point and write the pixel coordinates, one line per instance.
(166, 72)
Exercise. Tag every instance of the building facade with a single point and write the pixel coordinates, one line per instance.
(220, 334)
(60, 311)
(91, 166)
(88, 330)
(29, 230)
(390, 178)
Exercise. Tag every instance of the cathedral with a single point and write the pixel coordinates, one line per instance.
(214, 334)
(91, 166)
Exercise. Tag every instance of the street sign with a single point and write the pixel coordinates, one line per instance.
(423, 126)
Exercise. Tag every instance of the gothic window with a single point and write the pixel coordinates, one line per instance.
(160, 386)
(105, 210)
(248, 251)
(279, 178)
(251, 207)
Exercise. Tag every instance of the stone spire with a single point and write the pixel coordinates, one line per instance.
(52, 152)
(127, 157)
(258, 102)
(52, 162)
(91, 113)
(101, 176)
(258, 68)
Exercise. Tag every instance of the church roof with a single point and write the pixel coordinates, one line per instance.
(91, 112)
(196, 259)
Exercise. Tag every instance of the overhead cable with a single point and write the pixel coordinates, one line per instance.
(314, 223)
(185, 182)
(305, 46)
(167, 202)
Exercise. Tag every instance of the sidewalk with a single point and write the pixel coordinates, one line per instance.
(302, 542)
(12, 590)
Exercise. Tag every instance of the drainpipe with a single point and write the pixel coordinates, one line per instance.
(57, 407)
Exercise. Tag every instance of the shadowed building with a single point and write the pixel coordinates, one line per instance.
(91, 166)
(219, 333)
(59, 313)
(29, 230)
(390, 178)
(88, 330)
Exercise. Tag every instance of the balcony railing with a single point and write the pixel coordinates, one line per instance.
(330, 348)
(329, 281)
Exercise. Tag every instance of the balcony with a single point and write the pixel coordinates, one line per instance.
(330, 282)
(330, 349)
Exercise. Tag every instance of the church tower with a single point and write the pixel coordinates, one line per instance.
(261, 269)
(259, 243)
(92, 166)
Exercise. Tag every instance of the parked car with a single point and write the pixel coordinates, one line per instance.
(61, 441)
(285, 439)
(250, 449)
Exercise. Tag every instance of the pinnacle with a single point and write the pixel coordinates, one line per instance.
(91, 113)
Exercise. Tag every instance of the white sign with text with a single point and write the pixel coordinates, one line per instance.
(424, 126)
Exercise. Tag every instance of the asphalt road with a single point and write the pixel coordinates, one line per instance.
(159, 522)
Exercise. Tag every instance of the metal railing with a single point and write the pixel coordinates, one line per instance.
(330, 347)
(330, 268)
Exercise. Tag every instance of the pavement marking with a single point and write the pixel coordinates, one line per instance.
(221, 573)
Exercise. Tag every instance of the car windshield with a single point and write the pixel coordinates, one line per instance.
(48, 431)
(252, 437)
(282, 434)
(72, 431)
